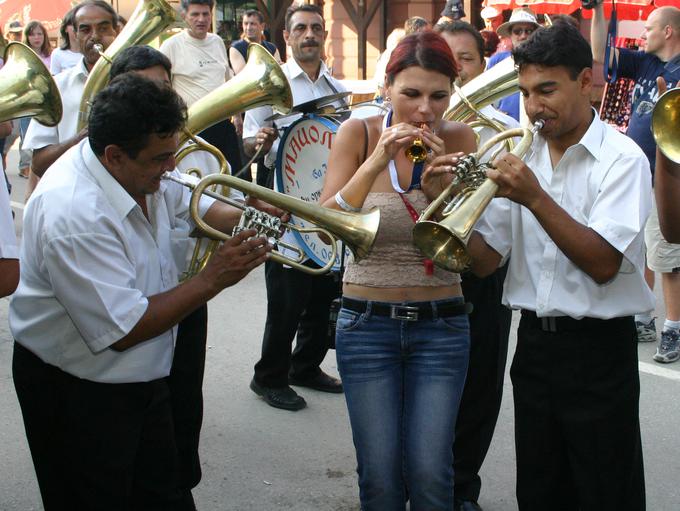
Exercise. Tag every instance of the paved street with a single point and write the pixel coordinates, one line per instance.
(262, 459)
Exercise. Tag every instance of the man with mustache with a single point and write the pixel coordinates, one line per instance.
(95, 22)
(297, 301)
(573, 230)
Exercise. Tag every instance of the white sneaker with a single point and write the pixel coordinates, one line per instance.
(646, 332)
(669, 347)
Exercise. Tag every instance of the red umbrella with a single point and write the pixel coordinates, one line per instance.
(626, 9)
(48, 12)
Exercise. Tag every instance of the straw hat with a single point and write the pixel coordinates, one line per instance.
(518, 16)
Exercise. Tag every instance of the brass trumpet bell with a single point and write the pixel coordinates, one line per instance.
(149, 19)
(666, 124)
(261, 82)
(417, 152)
(445, 242)
(27, 88)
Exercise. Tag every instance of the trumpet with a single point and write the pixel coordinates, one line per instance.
(445, 242)
(417, 152)
(357, 230)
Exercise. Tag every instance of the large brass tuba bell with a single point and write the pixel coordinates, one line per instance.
(27, 88)
(666, 124)
(149, 19)
(261, 82)
(445, 242)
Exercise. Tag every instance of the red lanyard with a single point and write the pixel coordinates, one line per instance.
(427, 263)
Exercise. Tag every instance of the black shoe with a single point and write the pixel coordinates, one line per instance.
(466, 505)
(284, 398)
(321, 382)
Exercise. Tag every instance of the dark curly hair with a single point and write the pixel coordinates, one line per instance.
(137, 58)
(558, 45)
(131, 109)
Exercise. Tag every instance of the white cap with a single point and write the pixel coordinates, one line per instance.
(518, 16)
(489, 13)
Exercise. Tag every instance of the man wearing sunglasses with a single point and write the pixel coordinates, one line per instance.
(518, 28)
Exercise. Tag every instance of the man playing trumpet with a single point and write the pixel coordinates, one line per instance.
(95, 312)
(574, 234)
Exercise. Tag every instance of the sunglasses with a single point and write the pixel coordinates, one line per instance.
(520, 31)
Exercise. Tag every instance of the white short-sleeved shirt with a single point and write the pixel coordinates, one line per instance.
(63, 60)
(9, 249)
(70, 84)
(89, 261)
(603, 182)
(199, 66)
(303, 89)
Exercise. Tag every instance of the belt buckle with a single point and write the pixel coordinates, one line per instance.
(404, 312)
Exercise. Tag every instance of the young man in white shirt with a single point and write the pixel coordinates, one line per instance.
(574, 234)
(199, 66)
(296, 302)
(95, 313)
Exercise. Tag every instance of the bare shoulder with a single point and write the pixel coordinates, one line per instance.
(352, 131)
(457, 136)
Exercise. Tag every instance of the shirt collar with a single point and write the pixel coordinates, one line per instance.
(592, 138)
(295, 69)
(82, 68)
(674, 64)
(121, 201)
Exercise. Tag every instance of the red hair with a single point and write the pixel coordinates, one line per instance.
(424, 49)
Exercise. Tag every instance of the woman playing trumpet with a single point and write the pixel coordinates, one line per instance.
(402, 333)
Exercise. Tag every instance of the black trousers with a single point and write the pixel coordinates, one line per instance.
(186, 393)
(223, 136)
(98, 446)
(577, 427)
(483, 392)
(297, 303)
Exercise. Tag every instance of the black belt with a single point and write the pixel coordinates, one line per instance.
(568, 324)
(413, 312)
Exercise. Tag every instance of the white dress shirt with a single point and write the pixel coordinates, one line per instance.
(9, 249)
(70, 84)
(63, 60)
(89, 260)
(603, 182)
(303, 89)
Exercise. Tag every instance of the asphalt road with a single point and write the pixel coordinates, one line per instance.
(262, 459)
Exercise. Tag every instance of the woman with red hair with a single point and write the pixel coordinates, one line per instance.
(402, 334)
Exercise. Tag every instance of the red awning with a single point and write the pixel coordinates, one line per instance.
(48, 12)
(626, 9)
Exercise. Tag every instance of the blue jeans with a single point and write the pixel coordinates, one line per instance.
(403, 382)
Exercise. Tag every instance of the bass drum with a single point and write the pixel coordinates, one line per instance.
(301, 163)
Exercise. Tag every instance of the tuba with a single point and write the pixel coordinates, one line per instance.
(261, 82)
(149, 19)
(445, 242)
(665, 122)
(27, 88)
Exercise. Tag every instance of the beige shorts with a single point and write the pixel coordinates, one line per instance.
(662, 257)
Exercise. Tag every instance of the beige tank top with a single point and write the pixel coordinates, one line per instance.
(394, 260)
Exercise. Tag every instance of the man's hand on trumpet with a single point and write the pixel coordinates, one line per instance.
(234, 259)
(516, 181)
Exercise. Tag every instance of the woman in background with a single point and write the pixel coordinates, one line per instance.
(68, 53)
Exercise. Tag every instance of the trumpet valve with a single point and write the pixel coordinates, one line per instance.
(265, 224)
